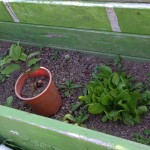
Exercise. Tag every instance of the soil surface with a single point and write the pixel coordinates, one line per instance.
(34, 86)
(77, 67)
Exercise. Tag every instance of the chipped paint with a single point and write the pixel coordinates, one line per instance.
(37, 132)
(54, 35)
(70, 134)
(113, 19)
(81, 137)
(10, 11)
(14, 132)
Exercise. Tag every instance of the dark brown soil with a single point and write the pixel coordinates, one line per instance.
(34, 86)
(78, 68)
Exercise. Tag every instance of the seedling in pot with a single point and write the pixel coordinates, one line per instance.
(68, 86)
(36, 84)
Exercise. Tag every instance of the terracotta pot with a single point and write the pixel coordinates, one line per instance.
(46, 103)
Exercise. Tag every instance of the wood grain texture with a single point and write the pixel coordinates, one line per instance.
(91, 41)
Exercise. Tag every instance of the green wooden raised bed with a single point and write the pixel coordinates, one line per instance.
(36, 133)
(101, 28)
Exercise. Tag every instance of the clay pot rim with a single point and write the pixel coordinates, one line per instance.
(32, 98)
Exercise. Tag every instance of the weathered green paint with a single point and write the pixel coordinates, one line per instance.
(39, 133)
(4, 15)
(120, 1)
(108, 43)
(64, 16)
(134, 20)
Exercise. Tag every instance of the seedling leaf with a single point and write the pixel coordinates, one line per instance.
(15, 52)
(9, 69)
(147, 131)
(76, 106)
(33, 54)
(9, 101)
(142, 109)
(32, 62)
(96, 108)
(69, 117)
(23, 57)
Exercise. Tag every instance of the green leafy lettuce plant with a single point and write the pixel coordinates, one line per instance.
(113, 95)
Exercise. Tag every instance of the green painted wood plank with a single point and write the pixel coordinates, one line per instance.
(134, 20)
(4, 15)
(107, 43)
(120, 1)
(64, 16)
(39, 133)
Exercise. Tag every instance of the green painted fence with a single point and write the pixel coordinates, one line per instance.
(64, 16)
(39, 133)
(131, 17)
(130, 20)
(84, 26)
(98, 42)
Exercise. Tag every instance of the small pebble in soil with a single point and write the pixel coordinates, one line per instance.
(34, 86)
(67, 57)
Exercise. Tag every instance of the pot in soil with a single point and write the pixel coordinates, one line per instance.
(48, 101)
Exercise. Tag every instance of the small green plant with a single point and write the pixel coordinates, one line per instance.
(68, 86)
(143, 138)
(76, 106)
(113, 95)
(78, 120)
(55, 55)
(118, 61)
(9, 101)
(79, 117)
(14, 61)
(147, 85)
